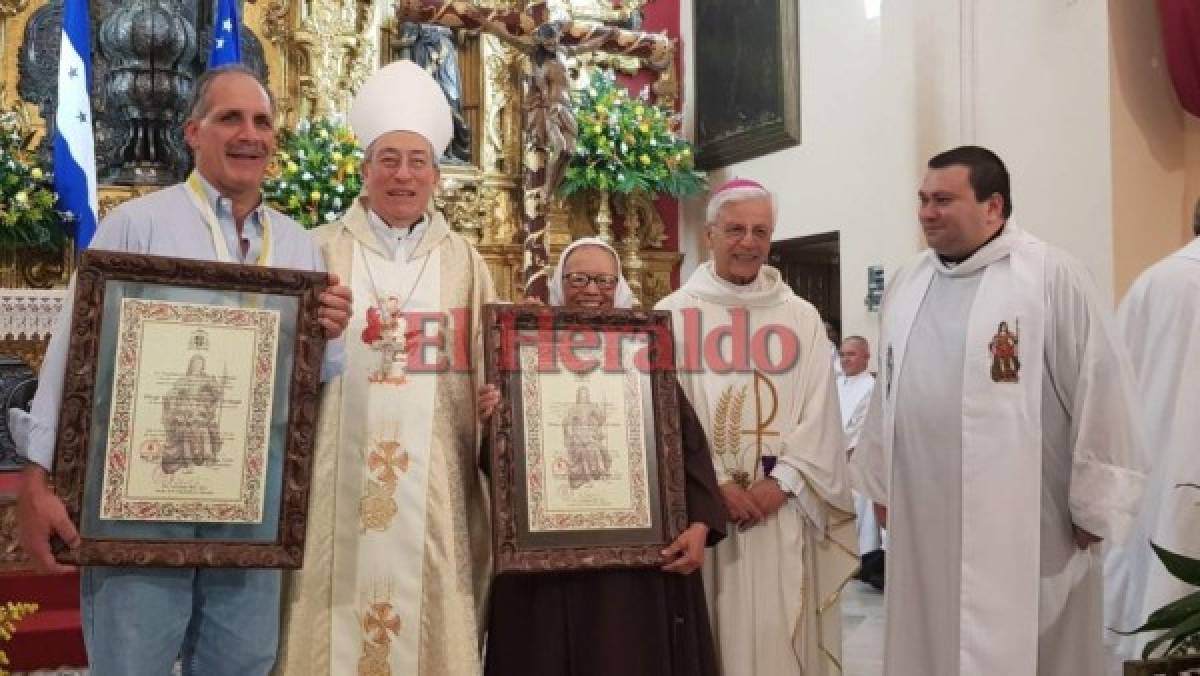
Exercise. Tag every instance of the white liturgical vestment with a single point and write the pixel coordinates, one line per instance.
(854, 394)
(772, 589)
(397, 561)
(1003, 417)
(1160, 320)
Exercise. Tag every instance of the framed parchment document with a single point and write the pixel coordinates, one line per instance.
(585, 457)
(189, 404)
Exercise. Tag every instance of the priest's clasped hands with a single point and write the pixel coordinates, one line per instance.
(750, 506)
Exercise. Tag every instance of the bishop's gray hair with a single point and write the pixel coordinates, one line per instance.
(740, 194)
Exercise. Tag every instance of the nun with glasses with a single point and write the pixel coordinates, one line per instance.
(636, 622)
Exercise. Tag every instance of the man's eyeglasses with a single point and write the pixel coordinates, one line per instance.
(736, 233)
(580, 280)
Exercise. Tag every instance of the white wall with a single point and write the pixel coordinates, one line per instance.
(856, 159)
(1041, 96)
(1028, 78)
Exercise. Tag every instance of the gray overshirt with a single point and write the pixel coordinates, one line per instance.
(163, 223)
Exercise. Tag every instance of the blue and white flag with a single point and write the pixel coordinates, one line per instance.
(74, 145)
(227, 35)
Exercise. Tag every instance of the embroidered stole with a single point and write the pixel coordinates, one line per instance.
(1002, 456)
(387, 425)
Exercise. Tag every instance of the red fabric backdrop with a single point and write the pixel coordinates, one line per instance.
(662, 15)
(1180, 21)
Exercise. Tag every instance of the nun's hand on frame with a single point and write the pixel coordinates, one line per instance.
(489, 399)
(686, 554)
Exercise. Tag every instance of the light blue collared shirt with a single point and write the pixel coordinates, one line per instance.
(164, 223)
(252, 227)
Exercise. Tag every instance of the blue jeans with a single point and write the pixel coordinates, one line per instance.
(137, 621)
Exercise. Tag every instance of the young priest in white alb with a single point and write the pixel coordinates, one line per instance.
(1001, 440)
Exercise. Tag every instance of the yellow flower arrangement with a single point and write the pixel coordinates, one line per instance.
(626, 144)
(315, 176)
(29, 216)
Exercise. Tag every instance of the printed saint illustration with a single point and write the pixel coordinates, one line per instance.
(191, 419)
(1005, 362)
(588, 458)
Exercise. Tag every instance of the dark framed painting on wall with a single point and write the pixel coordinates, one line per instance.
(747, 79)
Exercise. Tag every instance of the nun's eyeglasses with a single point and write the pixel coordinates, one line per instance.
(580, 280)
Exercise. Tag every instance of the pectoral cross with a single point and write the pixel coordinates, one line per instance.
(546, 42)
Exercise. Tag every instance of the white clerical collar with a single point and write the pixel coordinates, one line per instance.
(999, 246)
(767, 290)
(757, 286)
(849, 379)
(1192, 250)
(391, 238)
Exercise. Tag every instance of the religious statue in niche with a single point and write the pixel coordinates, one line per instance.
(433, 48)
(146, 56)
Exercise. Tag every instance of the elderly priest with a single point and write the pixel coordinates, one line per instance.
(772, 422)
(397, 564)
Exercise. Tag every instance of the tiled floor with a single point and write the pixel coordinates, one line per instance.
(862, 633)
(862, 630)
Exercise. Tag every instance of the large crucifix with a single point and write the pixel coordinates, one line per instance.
(549, 126)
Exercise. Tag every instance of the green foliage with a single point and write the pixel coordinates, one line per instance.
(28, 202)
(315, 177)
(1179, 621)
(625, 144)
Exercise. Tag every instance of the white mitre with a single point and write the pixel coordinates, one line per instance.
(401, 96)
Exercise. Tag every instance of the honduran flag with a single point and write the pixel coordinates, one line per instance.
(74, 145)
(227, 35)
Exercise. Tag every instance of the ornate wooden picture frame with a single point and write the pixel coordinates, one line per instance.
(747, 79)
(189, 410)
(585, 454)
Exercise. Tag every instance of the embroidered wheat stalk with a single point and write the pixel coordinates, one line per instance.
(735, 419)
(721, 422)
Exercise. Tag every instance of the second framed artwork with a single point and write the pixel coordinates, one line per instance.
(586, 462)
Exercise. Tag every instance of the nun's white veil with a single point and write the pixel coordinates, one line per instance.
(623, 298)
